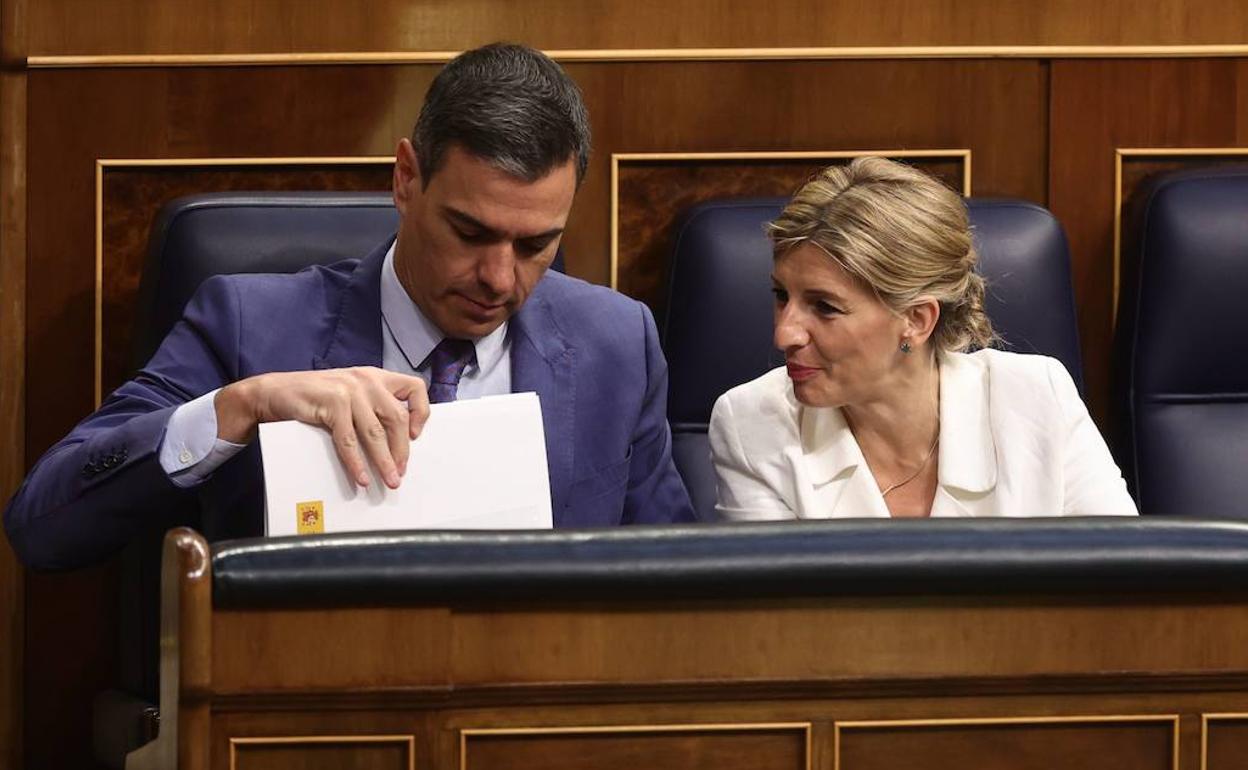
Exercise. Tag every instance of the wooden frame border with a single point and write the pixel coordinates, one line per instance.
(985, 721)
(618, 158)
(287, 740)
(103, 164)
(1121, 155)
(651, 55)
(1205, 719)
(805, 727)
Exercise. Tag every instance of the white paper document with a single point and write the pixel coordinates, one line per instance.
(478, 464)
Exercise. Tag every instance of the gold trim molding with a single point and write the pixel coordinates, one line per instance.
(1122, 155)
(103, 164)
(607, 55)
(1205, 719)
(624, 158)
(716, 727)
(306, 740)
(1173, 719)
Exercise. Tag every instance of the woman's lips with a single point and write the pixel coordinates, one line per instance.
(797, 372)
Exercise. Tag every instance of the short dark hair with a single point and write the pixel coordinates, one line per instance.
(508, 104)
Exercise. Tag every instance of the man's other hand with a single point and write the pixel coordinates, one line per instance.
(370, 412)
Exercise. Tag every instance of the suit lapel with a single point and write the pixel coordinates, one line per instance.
(841, 484)
(542, 361)
(356, 340)
(968, 459)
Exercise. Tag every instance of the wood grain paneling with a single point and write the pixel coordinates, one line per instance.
(623, 749)
(1224, 743)
(330, 753)
(317, 651)
(131, 196)
(12, 365)
(188, 26)
(1011, 745)
(653, 194)
(1097, 108)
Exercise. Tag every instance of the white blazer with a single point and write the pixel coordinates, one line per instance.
(1015, 440)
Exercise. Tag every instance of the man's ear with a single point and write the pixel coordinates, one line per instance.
(407, 181)
(921, 319)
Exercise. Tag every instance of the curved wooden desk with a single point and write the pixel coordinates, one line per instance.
(843, 645)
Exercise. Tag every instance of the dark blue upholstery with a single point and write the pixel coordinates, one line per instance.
(199, 236)
(718, 328)
(1183, 327)
(846, 557)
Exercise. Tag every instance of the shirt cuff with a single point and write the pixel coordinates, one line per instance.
(190, 450)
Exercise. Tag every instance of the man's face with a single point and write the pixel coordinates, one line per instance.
(475, 240)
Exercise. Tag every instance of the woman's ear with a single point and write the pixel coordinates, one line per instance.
(921, 318)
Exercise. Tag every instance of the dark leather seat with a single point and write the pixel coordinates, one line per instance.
(718, 329)
(1183, 380)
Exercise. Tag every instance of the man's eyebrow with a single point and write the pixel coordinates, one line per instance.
(471, 222)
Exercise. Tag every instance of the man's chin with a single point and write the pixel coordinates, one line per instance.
(474, 328)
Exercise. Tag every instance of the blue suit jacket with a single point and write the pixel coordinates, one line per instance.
(591, 354)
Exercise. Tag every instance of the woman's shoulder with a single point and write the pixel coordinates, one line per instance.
(772, 389)
(1024, 375)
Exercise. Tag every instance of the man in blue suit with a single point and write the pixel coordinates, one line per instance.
(459, 305)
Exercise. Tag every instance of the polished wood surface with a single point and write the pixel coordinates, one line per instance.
(70, 27)
(741, 749)
(1225, 742)
(913, 680)
(1010, 745)
(1097, 108)
(12, 364)
(363, 753)
(653, 194)
(131, 196)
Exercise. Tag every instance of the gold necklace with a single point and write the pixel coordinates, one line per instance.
(918, 470)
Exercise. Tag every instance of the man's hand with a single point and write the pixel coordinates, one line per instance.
(360, 407)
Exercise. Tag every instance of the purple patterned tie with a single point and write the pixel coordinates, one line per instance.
(447, 363)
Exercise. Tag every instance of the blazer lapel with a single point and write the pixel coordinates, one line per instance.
(356, 340)
(544, 362)
(840, 483)
(968, 455)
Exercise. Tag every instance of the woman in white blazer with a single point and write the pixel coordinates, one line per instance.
(878, 411)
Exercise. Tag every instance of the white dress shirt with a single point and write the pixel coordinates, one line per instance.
(1015, 440)
(191, 451)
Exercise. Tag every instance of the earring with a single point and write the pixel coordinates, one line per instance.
(905, 347)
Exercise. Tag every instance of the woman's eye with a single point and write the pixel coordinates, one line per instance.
(827, 309)
(780, 295)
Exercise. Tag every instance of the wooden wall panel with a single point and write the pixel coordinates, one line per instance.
(342, 753)
(1225, 742)
(69, 27)
(1099, 107)
(746, 748)
(654, 193)
(133, 195)
(1011, 744)
(12, 365)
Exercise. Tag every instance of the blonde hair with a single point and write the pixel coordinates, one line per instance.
(902, 233)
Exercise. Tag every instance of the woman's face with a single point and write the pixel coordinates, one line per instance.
(841, 344)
